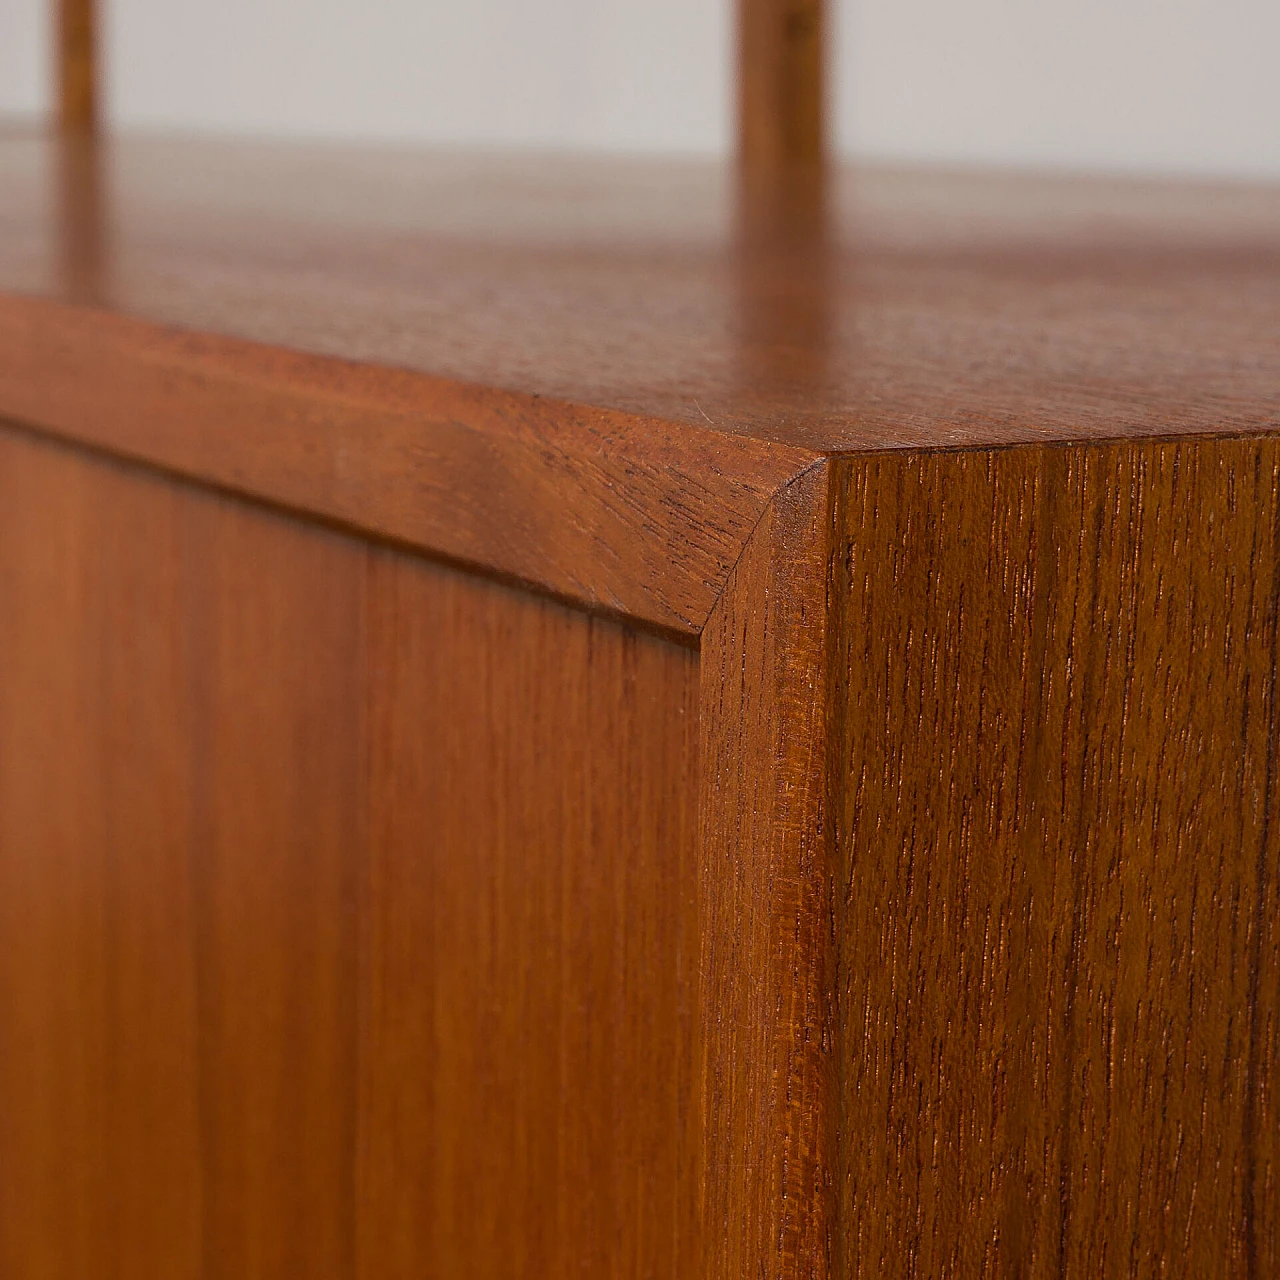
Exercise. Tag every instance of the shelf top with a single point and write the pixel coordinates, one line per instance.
(892, 309)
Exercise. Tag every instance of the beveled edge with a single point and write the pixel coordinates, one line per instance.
(613, 512)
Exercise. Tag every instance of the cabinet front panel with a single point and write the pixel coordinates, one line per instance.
(347, 903)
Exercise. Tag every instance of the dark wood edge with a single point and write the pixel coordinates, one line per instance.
(633, 516)
(766, 899)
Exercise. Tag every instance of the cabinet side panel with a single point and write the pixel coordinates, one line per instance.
(1059, 972)
(526, 1086)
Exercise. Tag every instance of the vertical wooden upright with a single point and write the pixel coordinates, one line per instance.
(781, 99)
(78, 196)
(77, 73)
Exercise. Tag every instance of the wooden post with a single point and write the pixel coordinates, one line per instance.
(78, 197)
(781, 115)
(77, 69)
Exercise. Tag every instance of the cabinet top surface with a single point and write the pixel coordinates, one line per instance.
(890, 309)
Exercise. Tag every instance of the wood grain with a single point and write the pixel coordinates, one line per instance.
(363, 915)
(936, 309)
(621, 514)
(781, 103)
(1059, 979)
(99, 1116)
(272, 617)
(348, 904)
(767, 960)
(528, 1101)
(180, 988)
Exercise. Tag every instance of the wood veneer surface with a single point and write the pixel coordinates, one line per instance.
(948, 889)
(767, 924)
(347, 907)
(1055, 766)
(886, 310)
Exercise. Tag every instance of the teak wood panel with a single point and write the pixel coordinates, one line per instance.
(1059, 983)
(347, 904)
(942, 938)
(622, 514)
(767, 959)
(898, 309)
(528, 1104)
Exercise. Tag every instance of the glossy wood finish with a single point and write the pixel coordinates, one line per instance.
(913, 914)
(919, 310)
(714, 339)
(1059, 976)
(348, 905)
(615, 512)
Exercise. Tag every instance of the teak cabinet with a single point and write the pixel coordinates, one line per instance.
(576, 720)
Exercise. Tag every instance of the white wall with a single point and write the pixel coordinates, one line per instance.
(24, 56)
(582, 73)
(1166, 85)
